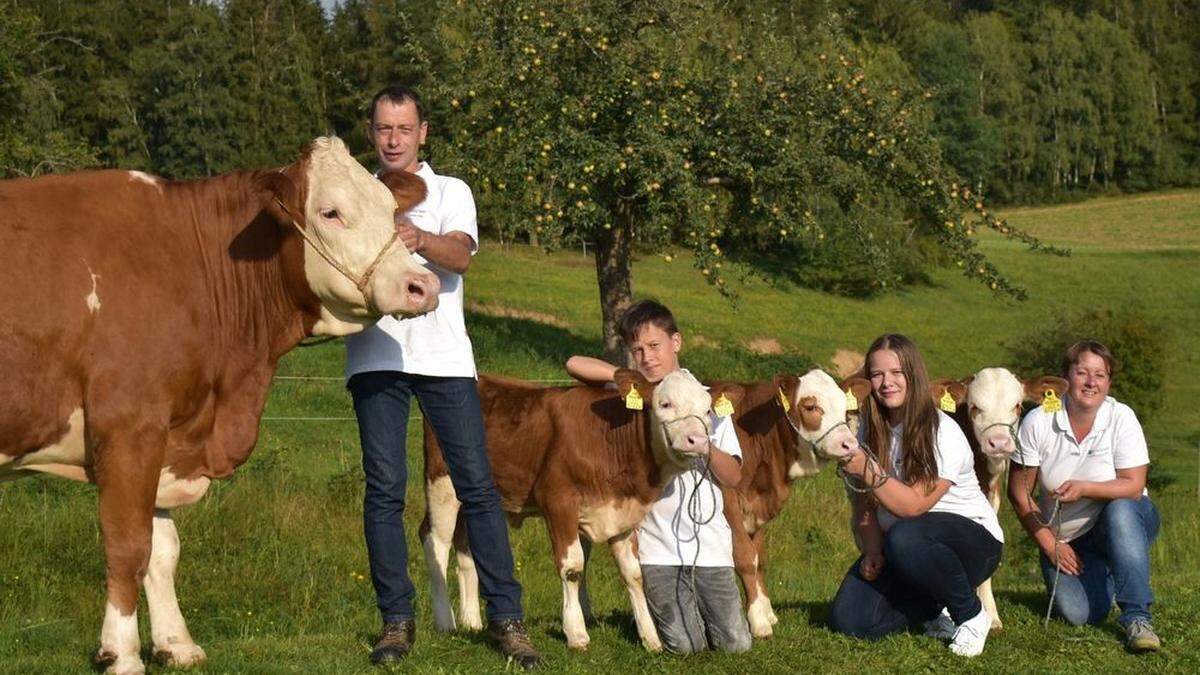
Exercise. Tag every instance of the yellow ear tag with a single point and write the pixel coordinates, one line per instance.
(1051, 402)
(947, 403)
(783, 401)
(723, 406)
(851, 400)
(633, 400)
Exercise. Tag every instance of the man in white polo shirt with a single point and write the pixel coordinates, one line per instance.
(429, 357)
(1094, 520)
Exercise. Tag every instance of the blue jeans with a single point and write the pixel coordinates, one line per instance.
(451, 404)
(932, 561)
(1116, 564)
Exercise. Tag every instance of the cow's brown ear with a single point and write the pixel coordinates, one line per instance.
(939, 388)
(279, 197)
(408, 188)
(859, 386)
(627, 379)
(1035, 387)
(787, 384)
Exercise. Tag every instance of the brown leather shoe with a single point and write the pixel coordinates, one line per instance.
(512, 640)
(394, 642)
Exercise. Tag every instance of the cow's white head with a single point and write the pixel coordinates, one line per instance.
(993, 398)
(817, 407)
(353, 261)
(679, 409)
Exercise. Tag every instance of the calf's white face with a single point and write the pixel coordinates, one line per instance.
(818, 413)
(994, 398)
(351, 214)
(680, 409)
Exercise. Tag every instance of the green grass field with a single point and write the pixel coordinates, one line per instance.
(274, 577)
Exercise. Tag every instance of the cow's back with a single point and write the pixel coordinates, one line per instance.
(578, 439)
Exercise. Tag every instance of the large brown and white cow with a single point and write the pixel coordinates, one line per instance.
(584, 461)
(777, 448)
(141, 321)
(988, 410)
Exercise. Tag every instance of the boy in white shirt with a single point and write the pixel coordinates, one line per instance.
(684, 544)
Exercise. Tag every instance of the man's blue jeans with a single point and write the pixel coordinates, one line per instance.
(451, 404)
(1116, 564)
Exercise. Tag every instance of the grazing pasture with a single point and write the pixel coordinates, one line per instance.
(273, 576)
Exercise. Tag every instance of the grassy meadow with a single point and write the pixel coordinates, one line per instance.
(274, 578)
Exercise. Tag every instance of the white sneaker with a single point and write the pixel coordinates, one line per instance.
(970, 637)
(942, 627)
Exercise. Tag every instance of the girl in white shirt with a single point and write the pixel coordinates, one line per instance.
(928, 536)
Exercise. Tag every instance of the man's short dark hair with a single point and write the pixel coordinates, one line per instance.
(397, 94)
(642, 313)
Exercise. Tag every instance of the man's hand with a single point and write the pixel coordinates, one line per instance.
(1070, 491)
(411, 236)
(1064, 557)
(871, 565)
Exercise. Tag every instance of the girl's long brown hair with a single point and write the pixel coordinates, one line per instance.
(919, 416)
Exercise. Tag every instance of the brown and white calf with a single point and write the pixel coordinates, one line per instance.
(988, 410)
(778, 448)
(141, 321)
(586, 463)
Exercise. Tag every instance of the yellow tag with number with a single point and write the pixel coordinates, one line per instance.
(947, 403)
(723, 406)
(1050, 402)
(851, 400)
(633, 400)
(783, 401)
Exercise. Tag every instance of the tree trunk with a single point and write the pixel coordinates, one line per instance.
(613, 267)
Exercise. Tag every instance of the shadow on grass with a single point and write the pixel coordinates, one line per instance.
(1034, 601)
(623, 623)
(815, 612)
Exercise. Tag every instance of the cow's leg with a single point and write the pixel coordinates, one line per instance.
(760, 546)
(126, 469)
(985, 589)
(585, 601)
(568, 557)
(437, 536)
(468, 580)
(745, 563)
(622, 548)
(173, 644)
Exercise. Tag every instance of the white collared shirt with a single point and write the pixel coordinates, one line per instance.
(435, 343)
(1116, 441)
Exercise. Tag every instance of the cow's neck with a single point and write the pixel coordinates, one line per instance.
(253, 268)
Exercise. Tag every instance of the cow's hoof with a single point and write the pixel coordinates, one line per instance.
(472, 621)
(996, 625)
(771, 617)
(579, 644)
(179, 655)
(652, 645)
(114, 664)
(762, 632)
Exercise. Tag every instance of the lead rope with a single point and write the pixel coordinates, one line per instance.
(359, 282)
(695, 512)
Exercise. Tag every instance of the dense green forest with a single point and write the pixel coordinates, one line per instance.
(1031, 100)
(846, 144)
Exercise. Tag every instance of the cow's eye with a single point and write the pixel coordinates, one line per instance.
(329, 214)
(665, 404)
(974, 412)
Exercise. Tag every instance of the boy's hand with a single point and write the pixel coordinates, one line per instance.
(870, 567)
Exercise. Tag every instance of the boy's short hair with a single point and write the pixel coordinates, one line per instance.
(397, 94)
(645, 312)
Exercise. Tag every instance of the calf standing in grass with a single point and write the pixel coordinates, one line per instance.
(591, 461)
(989, 420)
(779, 425)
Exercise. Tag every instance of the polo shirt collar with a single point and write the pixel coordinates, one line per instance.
(1104, 415)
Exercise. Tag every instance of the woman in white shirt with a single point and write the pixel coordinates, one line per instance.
(928, 536)
(1094, 522)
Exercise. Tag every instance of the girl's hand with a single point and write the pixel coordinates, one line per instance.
(1065, 558)
(871, 565)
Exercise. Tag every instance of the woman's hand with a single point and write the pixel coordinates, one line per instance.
(871, 565)
(1063, 556)
(1071, 491)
